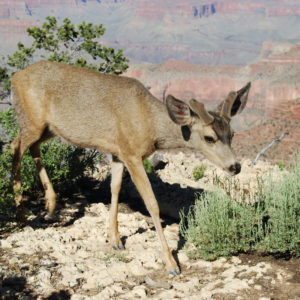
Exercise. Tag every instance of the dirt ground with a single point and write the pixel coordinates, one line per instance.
(70, 258)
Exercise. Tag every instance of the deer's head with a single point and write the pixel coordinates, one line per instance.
(210, 132)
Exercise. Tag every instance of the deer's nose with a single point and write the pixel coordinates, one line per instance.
(236, 168)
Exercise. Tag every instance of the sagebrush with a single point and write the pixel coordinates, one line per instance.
(218, 225)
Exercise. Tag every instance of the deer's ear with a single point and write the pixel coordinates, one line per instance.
(235, 102)
(243, 97)
(178, 111)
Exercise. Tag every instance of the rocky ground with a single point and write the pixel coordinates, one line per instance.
(70, 258)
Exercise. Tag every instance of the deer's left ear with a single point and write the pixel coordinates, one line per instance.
(178, 111)
(235, 102)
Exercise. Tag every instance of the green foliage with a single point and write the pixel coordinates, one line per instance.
(66, 43)
(148, 166)
(199, 172)
(6, 191)
(9, 124)
(75, 45)
(4, 83)
(21, 58)
(281, 214)
(219, 226)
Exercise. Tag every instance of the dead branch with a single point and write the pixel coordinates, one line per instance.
(276, 140)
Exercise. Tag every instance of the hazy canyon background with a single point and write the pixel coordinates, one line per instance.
(196, 49)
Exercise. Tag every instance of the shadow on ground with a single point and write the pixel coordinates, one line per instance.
(15, 287)
(171, 198)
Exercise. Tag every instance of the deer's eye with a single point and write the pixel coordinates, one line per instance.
(209, 139)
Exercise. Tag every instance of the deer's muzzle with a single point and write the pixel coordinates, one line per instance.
(235, 168)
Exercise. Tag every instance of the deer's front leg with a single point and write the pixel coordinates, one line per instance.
(116, 182)
(141, 181)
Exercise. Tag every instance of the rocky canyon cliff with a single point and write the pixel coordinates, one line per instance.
(198, 31)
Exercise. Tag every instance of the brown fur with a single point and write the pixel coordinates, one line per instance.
(113, 114)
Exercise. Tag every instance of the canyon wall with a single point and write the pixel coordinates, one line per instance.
(275, 80)
(198, 31)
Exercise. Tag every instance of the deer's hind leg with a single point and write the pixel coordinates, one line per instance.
(16, 168)
(22, 142)
(26, 139)
(50, 196)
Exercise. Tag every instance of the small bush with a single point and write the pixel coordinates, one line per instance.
(280, 205)
(199, 172)
(219, 226)
(6, 191)
(148, 166)
(9, 124)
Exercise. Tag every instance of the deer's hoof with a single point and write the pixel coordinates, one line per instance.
(174, 272)
(118, 247)
(50, 216)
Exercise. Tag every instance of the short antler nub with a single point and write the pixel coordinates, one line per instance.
(201, 111)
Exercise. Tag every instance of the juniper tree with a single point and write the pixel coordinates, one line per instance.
(68, 43)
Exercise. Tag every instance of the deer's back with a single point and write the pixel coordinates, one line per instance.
(85, 107)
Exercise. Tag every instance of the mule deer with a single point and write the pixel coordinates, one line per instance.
(117, 115)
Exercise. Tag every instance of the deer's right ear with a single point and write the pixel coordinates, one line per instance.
(178, 111)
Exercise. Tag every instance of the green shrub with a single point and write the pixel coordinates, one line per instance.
(199, 172)
(65, 165)
(281, 213)
(63, 42)
(9, 124)
(148, 166)
(6, 191)
(219, 226)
